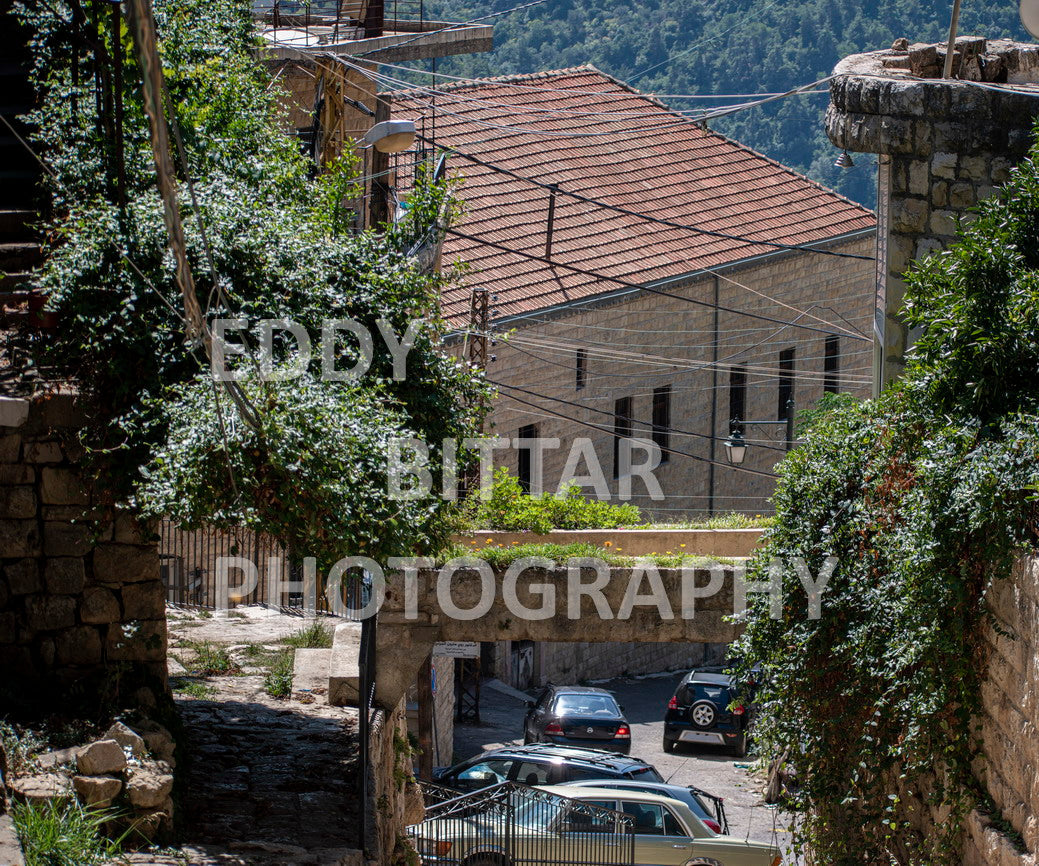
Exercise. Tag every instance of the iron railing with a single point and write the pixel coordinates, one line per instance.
(513, 825)
(200, 568)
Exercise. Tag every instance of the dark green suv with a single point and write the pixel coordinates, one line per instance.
(705, 710)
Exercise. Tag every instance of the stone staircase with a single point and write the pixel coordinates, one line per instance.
(20, 175)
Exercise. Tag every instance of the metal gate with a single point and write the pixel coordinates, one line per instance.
(514, 825)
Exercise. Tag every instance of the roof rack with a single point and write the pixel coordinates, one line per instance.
(592, 756)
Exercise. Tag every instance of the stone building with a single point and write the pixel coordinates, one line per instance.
(645, 277)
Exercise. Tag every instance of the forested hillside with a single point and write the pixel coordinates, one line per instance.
(724, 46)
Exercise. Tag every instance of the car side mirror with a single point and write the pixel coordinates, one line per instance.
(620, 707)
(529, 704)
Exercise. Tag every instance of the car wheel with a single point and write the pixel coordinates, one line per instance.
(669, 744)
(703, 714)
(739, 747)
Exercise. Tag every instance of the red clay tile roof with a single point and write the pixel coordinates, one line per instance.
(619, 146)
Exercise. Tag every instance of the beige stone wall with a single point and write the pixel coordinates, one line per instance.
(570, 663)
(1010, 723)
(81, 604)
(443, 710)
(642, 341)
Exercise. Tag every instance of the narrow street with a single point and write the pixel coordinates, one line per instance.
(644, 700)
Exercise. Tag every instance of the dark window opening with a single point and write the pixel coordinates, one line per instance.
(786, 383)
(662, 421)
(622, 427)
(832, 365)
(738, 393)
(525, 463)
(582, 368)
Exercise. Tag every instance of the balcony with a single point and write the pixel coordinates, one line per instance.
(382, 31)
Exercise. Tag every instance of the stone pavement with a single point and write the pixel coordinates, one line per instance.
(264, 781)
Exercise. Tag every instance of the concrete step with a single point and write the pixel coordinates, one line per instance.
(19, 256)
(15, 225)
(310, 671)
(14, 282)
(344, 680)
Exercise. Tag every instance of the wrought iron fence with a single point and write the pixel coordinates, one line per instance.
(217, 568)
(511, 825)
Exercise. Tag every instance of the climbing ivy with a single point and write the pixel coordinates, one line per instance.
(162, 435)
(924, 496)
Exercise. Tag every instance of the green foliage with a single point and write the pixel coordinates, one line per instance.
(20, 745)
(501, 558)
(63, 834)
(728, 520)
(510, 509)
(277, 682)
(163, 434)
(731, 46)
(317, 635)
(193, 688)
(211, 659)
(923, 496)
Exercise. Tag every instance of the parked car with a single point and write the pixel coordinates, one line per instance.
(542, 765)
(707, 807)
(552, 830)
(705, 709)
(577, 716)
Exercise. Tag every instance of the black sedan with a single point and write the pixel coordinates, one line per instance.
(577, 716)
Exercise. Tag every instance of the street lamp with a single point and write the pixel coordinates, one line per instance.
(736, 445)
(735, 448)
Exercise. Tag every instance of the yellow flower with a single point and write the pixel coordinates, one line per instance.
(607, 544)
(488, 540)
(681, 545)
(473, 541)
(515, 542)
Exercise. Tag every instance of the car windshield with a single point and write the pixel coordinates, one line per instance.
(536, 814)
(586, 705)
(645, 774)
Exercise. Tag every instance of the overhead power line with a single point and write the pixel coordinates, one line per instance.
(643, 287)
(601, 429)
(651, 219)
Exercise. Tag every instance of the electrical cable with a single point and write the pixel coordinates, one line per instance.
(669, 450)
(656, 220)
(640, 286)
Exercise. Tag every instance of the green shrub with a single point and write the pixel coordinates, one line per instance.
(63, 834)
(211, 660)
(510, 509)
(278, 680)
(923, 497)
(317, 635)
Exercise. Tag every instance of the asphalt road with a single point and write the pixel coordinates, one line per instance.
(644, 700)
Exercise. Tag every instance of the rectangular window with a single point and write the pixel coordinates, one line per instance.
(738, 393)
(582, 368)
(786, 383)
(662, 421)
(622, 426)
(832, 365)
(525, 465)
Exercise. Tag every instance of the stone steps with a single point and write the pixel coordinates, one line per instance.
(344, 681)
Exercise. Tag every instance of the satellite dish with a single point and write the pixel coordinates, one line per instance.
(1030, 16)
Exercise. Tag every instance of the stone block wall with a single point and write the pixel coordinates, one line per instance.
(1009, 725)
(944, 145)
(570, 663)
(81, 604)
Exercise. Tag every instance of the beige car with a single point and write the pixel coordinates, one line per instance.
(549, 831)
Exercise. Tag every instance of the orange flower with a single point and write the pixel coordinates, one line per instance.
(607, 544)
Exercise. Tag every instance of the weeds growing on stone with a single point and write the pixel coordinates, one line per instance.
(21, 746)
(211, 660)
(193, 689)
(278, 680)
(63, 834)
(317, 635)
